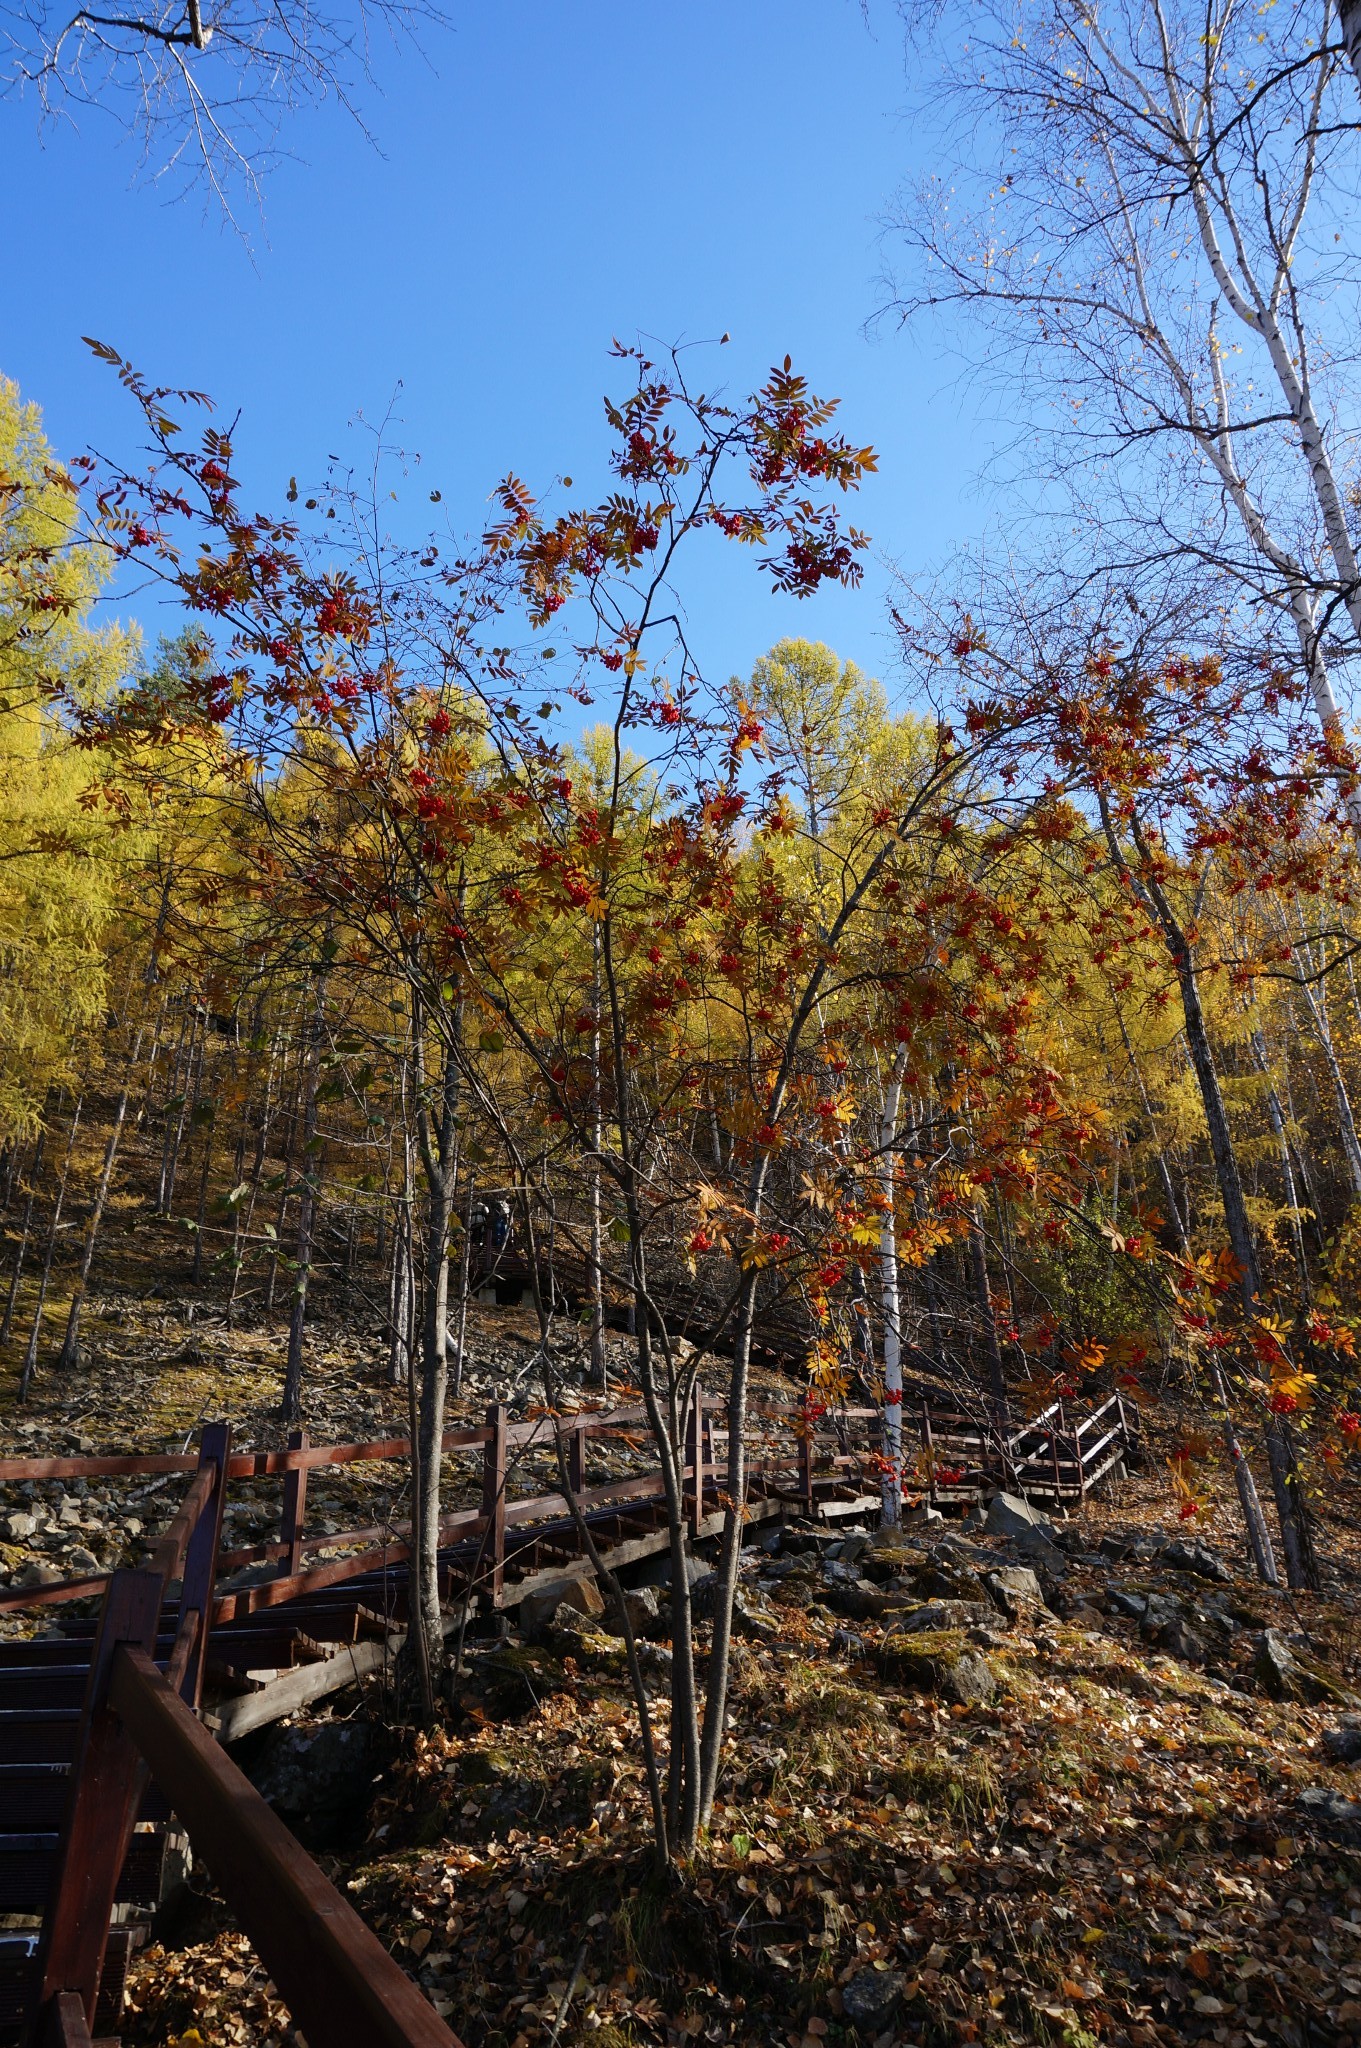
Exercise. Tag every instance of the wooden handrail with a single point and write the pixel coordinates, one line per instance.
(336, 1978)
(951, 1438)
(167, 1553)
(132, 1466)
(1088, 1421)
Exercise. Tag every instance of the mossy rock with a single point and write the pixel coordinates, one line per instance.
(486, 1766)
(939, 1661)
(515, 1676)
(1286, 1674)
(891, 1558)
(594, 1650)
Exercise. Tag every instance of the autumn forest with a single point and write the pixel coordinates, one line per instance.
(872, 1150)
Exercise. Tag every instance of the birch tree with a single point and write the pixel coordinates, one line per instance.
(1147, 202)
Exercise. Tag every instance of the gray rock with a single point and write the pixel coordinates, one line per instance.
(1014, 1589)
(849, 1550)
(800, 1539)
(1287, 1675)
(946, 1582)
(1180, 1640)
(537, 1610)
(656, 1571)
(19, 1528)
(704, 1596)
(644, 1611)
(845, 1643)
(940, 1662)
(35, 1574)
(870, 1999)
(565, 1621)
(655, 1662)
(316, 1773)
(1132, 1605)
(1325, 1804)
(1035, 1545)
(1143, 1549)
(1343, 1744)
(82, 1561)
(1198, 1558)
(942, 1614)
(1009, 1515)
(840, 1587)
(925, 1518)
(967, 1556)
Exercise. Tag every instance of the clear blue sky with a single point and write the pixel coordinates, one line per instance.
(552, 175)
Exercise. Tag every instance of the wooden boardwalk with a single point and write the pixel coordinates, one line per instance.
(113, 1721)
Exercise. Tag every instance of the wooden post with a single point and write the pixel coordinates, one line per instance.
(928, 1456)
(576, 1458)
(107, 1781)
(1055, 1435)
(494, 1498)
(806, 1463)
(200, 1559)
(65, 2023)
(295, 1507)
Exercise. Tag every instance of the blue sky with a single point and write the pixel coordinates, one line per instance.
(551, 176)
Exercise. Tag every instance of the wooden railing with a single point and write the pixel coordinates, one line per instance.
(500, 1442)
(1046, 1455)
(788, 1454)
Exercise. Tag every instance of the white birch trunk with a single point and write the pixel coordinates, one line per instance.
(888, 1281)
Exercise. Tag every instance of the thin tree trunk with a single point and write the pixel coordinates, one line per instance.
(892, 1487)
(1351, 1146)
(1175, 1222)
(285, 1194)
(1276, 1119)
(437, 1130)
(465, 1254)
(399, 1294)
(1225, 1158)
(1254, 1521)
(198, 1046)
(1301, 1564)
(1349, 20)
(35, 1334)
(309, 1196)
(241, 1224)
(599, 1369)
(176, 1099)
(978, 1263)
(69, 1356)
(34, 1168)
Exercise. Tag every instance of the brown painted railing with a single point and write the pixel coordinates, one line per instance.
(790, 1457)
(498, 1440)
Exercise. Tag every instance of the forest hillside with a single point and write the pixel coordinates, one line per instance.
(679, 1308)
